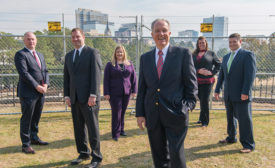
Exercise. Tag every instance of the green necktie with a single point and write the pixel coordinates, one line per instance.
(230, 61)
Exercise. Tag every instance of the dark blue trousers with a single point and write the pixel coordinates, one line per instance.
(119, 105)
(241, 112)
(31, 112)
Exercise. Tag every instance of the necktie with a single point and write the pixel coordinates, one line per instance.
(230, 61)
(37, 59)
(160, 63)
(76, 57)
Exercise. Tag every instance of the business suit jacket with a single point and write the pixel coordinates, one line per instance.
(30, 74)
(240, 78)
(117, 82)
(209, 61)
(84, 78)
(176, 89)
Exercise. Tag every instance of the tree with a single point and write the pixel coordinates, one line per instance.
(106, 47)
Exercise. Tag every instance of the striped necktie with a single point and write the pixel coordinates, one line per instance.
(160, 63)
(36, 59)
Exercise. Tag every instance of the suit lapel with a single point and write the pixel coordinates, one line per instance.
(235, 60)
(81, 58)
(168, 57)
(32, 59)
(152, 61)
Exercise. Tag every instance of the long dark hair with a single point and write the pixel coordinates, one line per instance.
(197, 50)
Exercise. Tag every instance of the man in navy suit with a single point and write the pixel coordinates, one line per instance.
(32, 85)
(238, 72)
(166, 93)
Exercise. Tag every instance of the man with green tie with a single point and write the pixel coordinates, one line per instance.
(238, 72)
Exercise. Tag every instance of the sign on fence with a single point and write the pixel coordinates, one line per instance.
(54, 26)
(206, 27)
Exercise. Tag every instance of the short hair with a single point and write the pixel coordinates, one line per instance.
(29, 32)
(235, 35)
(77, 29)
(157, 20)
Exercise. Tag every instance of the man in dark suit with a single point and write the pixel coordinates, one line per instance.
(82, 75)
(32, 85)
(238, 71)
(166, 93)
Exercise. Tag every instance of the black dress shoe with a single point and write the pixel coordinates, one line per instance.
(39, 142)
(93, 164)
(123, 134)
(225, 141)
(199, 122)
(79, 160)
(28, 150)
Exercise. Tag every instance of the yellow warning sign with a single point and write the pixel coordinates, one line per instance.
(54, 26)
(206, 27)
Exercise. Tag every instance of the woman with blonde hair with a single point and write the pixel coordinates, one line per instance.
(119, 85)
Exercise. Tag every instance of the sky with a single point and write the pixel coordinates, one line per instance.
(247, 17)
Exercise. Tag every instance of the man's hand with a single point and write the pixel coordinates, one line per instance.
(41, 89)
(68, 101)
(92, 101)
(45, 87)
(141, 122)
(244, 97)
(107, 97)
(217, 96)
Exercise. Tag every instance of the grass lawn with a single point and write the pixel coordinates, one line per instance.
(133, 151)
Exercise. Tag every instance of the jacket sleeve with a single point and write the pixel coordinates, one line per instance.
(220, 80)
(96, 65)
(106, 81)
(140, 110)
(249, 72)
(190, 81)
(22, 68)
(46, 72)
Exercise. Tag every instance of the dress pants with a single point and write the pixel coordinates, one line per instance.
(204, 94)
(85, 119)
(31, 112)
(167, 142)
(240, 111)
(119, 105)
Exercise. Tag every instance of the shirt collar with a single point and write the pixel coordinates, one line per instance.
(236, 51)
(80, 49)
(30, 50)
(164, 50)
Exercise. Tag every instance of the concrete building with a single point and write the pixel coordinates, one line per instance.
(93, 22)
(220, 29)
(189, 33)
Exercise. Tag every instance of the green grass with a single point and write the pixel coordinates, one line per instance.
(133, 151)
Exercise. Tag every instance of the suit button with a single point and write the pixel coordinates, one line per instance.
(157, 103)
(158, 90)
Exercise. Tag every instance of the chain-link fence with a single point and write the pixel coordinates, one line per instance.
(55, 45)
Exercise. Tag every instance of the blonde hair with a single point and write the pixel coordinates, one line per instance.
(125, 60)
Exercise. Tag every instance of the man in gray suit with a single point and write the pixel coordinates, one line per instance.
(166, 93)
(238, 72)
(32, 86)
(82, 75)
